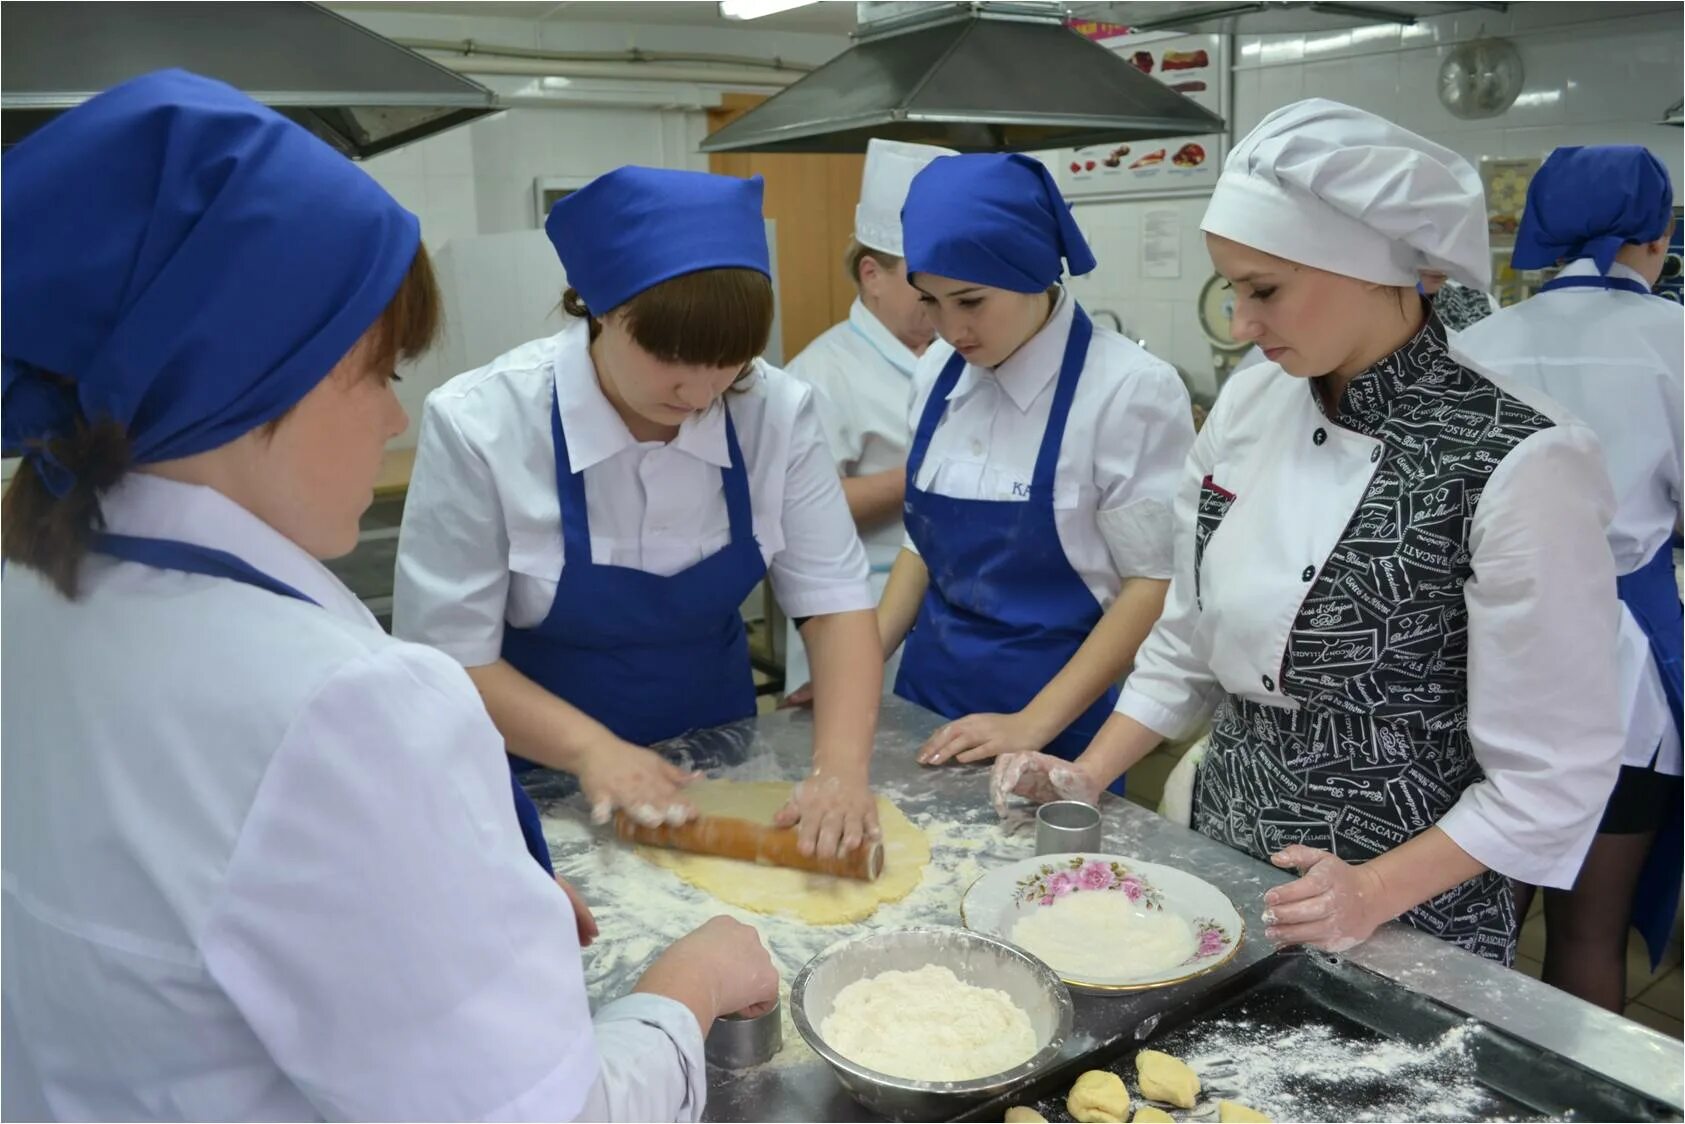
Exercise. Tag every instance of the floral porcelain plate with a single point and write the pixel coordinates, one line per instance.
(1145, 926)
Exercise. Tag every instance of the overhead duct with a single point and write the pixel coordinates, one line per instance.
(361, 93)
(978, 77)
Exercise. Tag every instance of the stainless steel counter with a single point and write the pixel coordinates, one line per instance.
(799, 1086)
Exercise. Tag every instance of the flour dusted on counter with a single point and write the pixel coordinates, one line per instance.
(640, 910)
(928, 1025)
(1096, 934)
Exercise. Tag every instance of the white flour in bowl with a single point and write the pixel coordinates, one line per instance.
(928, 1025)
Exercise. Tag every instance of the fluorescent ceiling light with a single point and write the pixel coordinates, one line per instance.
(755, 9)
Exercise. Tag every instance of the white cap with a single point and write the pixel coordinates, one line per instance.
(1336, 188)
(890, 168)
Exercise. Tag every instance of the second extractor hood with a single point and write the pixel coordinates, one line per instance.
(973, 77)
(361, 93)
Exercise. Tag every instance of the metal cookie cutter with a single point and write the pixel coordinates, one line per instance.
(738, 1043)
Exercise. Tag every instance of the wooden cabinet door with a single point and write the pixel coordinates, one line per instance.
(811, 196)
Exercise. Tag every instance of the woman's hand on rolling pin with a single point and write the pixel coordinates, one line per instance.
(978, 737)
(620, 776)
(1039, 778)
(1334, 906)
(583, 921)
(719, 968)
(834, 814)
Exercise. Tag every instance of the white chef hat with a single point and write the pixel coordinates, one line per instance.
(1330, 186)
(890, 168)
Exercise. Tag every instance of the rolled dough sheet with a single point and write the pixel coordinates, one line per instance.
(819, 899)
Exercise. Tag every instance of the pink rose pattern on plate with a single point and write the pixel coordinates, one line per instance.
(1212, 937)
(1050, 883)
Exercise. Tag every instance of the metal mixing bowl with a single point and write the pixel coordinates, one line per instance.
(976, 959)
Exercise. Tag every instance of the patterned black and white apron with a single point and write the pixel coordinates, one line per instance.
(1378, 750)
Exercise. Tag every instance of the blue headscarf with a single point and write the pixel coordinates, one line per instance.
(634, 228)
(992, 219)
(192, 262)
(1589, 202)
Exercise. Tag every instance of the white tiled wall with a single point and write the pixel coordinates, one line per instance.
(1595, 74)
(478, 179)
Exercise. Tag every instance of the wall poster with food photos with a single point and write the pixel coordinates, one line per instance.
(1196, 66)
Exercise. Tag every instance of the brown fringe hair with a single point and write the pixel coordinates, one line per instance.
(710, 318)
(52, 534)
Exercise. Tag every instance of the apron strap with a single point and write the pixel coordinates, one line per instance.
(735, 479)
(191, 558)
(1070, 372)
(570, 492)
(934, 407)
(1598, 282)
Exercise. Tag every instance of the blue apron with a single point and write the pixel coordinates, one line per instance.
(1652, 595)
(191, 558)
(1004, 611)
(649, 657)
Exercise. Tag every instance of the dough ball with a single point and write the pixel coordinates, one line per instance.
(1233, 1112)
(1167, 1079)
(1147, 1114)
(1022, 1114)
(1099, 1097)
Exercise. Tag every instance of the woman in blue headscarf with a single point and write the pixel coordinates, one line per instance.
(1040, 480)
(1597, 341)
(589, 512)
(260, 859)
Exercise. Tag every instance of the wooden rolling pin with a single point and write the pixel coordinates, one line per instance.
(752, 842)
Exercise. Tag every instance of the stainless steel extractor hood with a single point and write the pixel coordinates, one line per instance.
(974, 77)
(359, 92)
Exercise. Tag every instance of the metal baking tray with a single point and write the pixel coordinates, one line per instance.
(1438, 1063)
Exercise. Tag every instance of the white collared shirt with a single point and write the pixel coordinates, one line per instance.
(862, 377)
(1542, 700)
(1129, 430)
(1614, 360)
(481, 543)
(261, 862)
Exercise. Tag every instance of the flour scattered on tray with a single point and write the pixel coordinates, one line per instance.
(1306, 1072)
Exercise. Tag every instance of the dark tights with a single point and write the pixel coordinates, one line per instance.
(1586, 927)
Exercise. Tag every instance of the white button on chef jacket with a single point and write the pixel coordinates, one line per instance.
(1120, 463)
(481, 543)
(261, 863)
(1614, 360)
(1541, 707)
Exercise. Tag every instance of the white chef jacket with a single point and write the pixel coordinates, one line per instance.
(1615, 360)
(481, 542)
(261, 863)
(862, 380)
(1129, 430)
(1542, 699)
